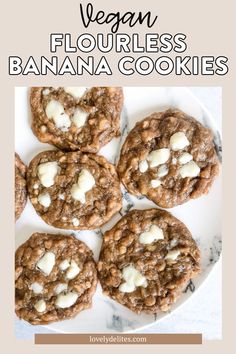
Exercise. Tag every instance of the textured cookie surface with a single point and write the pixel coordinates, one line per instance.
(170, 158)
(76, 118)
(147, 259)
(73, 190)
(55, 278)
(20, 186)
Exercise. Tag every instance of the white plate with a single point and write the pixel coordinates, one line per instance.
(202, 216)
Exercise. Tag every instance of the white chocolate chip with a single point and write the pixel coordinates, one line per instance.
(46, 263)
(43, 128)
(78, 194)
(174, 161)
(47, 172)
(71, 267)
(66, 300)
(35, 186)
(63, 122)
(155, 183)
(153, 234)
(64, 265)
(178, 141)
(40, 306)
(46, 92)
(185, 158)
(60, 288)
(132, 278)
(61, 197)
(127, 288)
(162, 171)
(172, 255)
(190, 169)
(76, 92)
(79, 117)
(143, 166)
(75, 222)
(55, 110)
(173, 243)
(36, 288)
(158, 157)
(72, 271)
(85, 182)
(44, 199)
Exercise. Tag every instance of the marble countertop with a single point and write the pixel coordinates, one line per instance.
(202, 312)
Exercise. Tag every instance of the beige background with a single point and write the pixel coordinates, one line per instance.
(25, 28)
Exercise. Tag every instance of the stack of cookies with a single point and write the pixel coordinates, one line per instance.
(149, 256)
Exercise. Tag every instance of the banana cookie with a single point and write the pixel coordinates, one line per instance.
(76, 118)
(170, 158)
(56, 278)
(20, 186)
(147, 259)
(73, 190)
